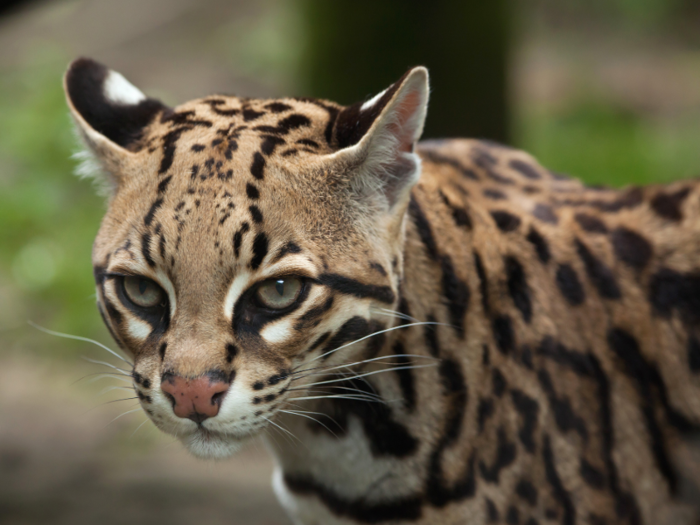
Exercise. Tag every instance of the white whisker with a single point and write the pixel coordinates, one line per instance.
(124, 414)
(326, 354)
(79, 338)
(104, 363)
(373, 373)
(311, 418)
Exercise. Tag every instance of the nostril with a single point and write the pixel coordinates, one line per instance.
(217, 398)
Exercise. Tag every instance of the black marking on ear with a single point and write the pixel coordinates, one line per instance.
(257, 168)
(503, 333)
(238, 238)
(287, 124)
(252, 191)
(123, 124)
(269, 143)
(518, 288)
(260, 245)
(506, 222)
(545, 214)
(152, 211)
(408, 508)
(668, 205)
(506, 452)
(590, 223)
(278, 107)
(424, 229)
(353, 122)
(164, 184)
(349, 286)
(540, 244)
(255, 214)
(483, 282)
(600, 275)
(438, 158)
(558, 490)
(528, 408)
(569, 284)
(146, 249)
(456, 293)
(631, 248)
(525, 169)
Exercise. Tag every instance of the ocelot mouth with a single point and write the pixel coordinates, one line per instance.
(209, 444)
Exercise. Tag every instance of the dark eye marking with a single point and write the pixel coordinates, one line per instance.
(349, 286)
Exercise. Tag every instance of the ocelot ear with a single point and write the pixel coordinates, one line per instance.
(377, 138)
(111, 116)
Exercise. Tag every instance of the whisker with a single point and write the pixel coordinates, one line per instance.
(334, 367)
(113, 387)
(326, 354)
(124, 414)
(375, 397)
(138, 427)
(102, 375)
(79, 338)
(311, 418)
(334, 396)
(365, 374)
(105, 363)
(283, 429)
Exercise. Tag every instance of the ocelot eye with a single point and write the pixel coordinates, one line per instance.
(278, 294)
(143, 292)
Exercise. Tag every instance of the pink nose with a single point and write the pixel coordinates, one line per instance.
(196, 399)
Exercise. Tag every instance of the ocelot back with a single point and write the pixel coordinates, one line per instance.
(450, 332)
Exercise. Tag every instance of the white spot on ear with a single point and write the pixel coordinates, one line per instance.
(277, 332)
(119, 90)
(139, 329)
(371, 102)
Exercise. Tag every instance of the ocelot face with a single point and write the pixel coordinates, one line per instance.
(249, 245)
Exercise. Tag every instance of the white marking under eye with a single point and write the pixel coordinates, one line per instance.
(165, 283)
(139, 329)
(277, 332)
(239, 284)
(118, 89)
(371, 102)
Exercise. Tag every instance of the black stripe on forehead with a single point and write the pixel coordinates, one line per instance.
(349, 286)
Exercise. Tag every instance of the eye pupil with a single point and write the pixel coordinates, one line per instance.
(143, 292)
(279, 293)
(279, 286)
(143, 284)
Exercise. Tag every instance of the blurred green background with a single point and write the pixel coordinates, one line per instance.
(606, 90)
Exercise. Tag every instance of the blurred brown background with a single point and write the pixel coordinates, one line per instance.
(608, 90)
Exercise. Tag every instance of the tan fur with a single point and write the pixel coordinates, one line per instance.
(560, 356)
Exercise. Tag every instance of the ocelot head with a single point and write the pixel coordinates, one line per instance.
(250, 246)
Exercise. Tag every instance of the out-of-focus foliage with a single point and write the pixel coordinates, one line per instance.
(48, 216)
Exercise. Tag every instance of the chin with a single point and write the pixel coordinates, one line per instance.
(205, 444)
